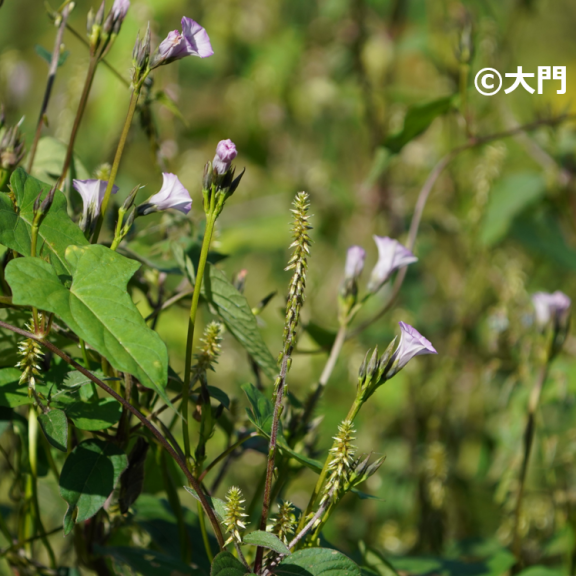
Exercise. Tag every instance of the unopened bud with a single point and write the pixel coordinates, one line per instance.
(129, 202)
(207, 176)
(235, 183)
(141, 55)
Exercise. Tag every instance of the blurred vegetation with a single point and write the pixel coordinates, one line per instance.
(311, 92)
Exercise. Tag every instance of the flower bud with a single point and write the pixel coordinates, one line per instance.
(553, 311)
(354, 262)
(225, 153)
(207, 176)
(11, 148)
(141, 55)
(129, 202)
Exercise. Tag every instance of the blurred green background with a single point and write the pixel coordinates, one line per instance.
(309, 90)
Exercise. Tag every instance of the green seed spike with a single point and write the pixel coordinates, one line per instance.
(285, 523)
(342, 460)
(299, 263)
(234, 519)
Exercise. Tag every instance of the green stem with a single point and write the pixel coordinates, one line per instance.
(49, 85)
(226, 452)
(159, 437)
(103, 60)
(176, 506)
(529, 431)
(204, 532)
(78, 119)
(210, 221)
(116, 164)
(118, 232)
(35, 508)
(33, 243)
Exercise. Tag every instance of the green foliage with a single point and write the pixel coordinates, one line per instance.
(266, 540)
(50, 158)
(317, 562)
(219, 506)
(232, 307)
(47, 56)
(97, 307)
(55, 426)
(497, 565)
(418, 119)
(57, 231)
(343, 99)
(226, 565)
(510, 196)
(97, 414)
(89, 475)
(145, 562)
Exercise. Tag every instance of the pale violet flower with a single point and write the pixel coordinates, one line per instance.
(92, 192)
(553, 307)
(225, 153)
(171, 195)
(412, 343)
(192, 41)
(391, 257)
(354, 262)
(120, 9)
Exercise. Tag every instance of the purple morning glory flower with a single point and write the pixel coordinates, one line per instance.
(354, 262)
(391, 256)
(192, 41)
(92, 192)
(171, 195)
(412, 343)
(553, 307)
(120, 9)
(225, 153)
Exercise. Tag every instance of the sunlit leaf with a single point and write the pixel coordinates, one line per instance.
(97, 308)
(56, 232)
(266, 540)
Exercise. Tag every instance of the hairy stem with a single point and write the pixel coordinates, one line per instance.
(49, 85)
(299, 263)
(155, 432)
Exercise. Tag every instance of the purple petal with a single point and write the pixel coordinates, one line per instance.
(197, 38)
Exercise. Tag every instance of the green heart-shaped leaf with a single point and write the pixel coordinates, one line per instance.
(97, 308)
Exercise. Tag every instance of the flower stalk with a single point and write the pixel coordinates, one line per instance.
(299, 263)
(117, 157)
(49, 84)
